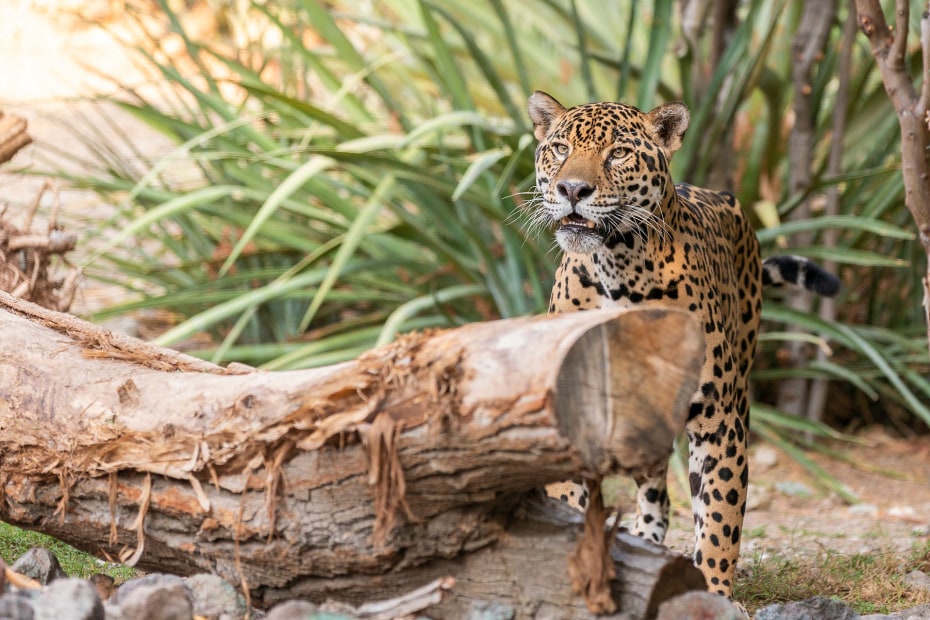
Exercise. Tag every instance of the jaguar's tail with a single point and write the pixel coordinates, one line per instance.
(801, 272)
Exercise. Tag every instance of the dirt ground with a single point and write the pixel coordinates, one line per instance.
(55, 59)
(791, 515)
(49, 57)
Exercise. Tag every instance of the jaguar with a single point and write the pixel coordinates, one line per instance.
(630, 236)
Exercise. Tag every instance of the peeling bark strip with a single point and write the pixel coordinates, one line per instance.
(590, 567)
(357, 481)
(386, 476)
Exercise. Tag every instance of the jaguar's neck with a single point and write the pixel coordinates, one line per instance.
(649, 234)
(671, 207)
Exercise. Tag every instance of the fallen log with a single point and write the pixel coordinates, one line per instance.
(358, 481)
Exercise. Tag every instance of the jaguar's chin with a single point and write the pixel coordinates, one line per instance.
(578, 235)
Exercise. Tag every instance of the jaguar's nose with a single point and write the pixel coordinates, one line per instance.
(575, 191)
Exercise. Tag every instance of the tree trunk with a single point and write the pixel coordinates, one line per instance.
(806, 50)
(912, 108)
(355, 481)
(817, 399)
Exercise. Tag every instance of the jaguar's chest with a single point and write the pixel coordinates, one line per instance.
(671, 271)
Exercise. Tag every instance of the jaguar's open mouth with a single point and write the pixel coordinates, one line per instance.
(577, 223)
(579, 234)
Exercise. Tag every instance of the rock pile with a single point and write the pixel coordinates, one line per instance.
(36, 587)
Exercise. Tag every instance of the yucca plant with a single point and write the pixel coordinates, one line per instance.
(360, 171)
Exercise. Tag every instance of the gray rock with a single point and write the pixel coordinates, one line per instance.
(487, 610)
(794, 489)
(39, 564)
(816, 608)
(921, 612)
(764, 457)
(68, 599)
(292, 610)
(113, 612)
(698, 605)
(917, 580)
(870, 510)
(163, 599)
(214, 597)
(16, 606)
(758, 497)
(125, 590)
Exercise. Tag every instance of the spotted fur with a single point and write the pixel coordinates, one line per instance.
(631, 236)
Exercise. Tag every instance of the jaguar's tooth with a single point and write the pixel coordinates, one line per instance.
(589, 224)
(565, 221)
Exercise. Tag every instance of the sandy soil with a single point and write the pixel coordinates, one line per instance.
(791, 514)
(58, 59)
(48, 58)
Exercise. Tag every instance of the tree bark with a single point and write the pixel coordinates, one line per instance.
(806, 50)
(817, 399)
(355, 481)
(707, 26)
(912, 107)
(523, 572)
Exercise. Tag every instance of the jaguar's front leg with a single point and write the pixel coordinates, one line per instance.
(718, 471)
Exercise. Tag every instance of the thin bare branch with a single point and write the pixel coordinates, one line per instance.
(902, 13)
(924, 102)
(897, 81)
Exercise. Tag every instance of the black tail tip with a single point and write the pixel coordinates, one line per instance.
(799, 271)
(822, 281)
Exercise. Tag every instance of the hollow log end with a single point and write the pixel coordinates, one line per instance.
(676, 577)
(624, 386)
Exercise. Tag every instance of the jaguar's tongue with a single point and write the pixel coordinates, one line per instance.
(576, 220)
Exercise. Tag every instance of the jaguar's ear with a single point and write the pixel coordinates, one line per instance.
(544, 111)
(668, 124)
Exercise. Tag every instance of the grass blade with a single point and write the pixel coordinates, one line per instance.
(296, 179)
(403, 313)
(354, 237)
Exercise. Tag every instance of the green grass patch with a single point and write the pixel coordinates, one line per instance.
(15, 541)
(870, 583)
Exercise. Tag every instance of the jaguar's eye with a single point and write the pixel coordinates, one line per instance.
(619, 153)
(560, 149)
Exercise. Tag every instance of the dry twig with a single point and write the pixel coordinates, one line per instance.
(26, 258)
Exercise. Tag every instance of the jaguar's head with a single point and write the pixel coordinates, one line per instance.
(602, 168)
